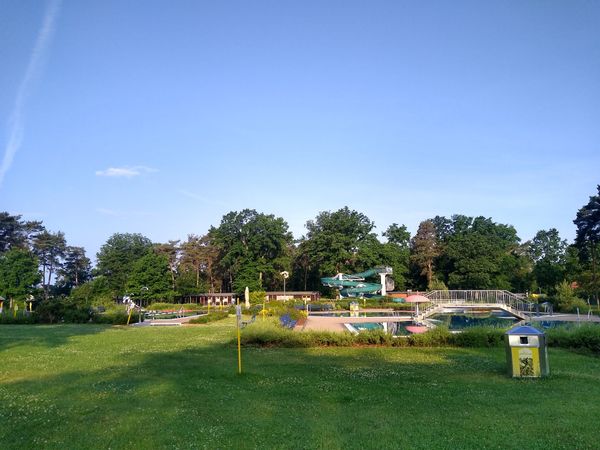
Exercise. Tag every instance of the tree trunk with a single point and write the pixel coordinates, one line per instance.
(429, 273)
(50, 271)
(305, 277)
(594, 272)
(44, 283)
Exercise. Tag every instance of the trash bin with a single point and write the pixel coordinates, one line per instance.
(526, 352)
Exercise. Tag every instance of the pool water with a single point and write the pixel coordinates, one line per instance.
(363, 326)
(456, 321)
(360, 314)
(394, 328)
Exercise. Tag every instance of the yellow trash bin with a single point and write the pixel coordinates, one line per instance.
(526, 352)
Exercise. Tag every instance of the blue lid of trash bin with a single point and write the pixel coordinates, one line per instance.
(525, 330)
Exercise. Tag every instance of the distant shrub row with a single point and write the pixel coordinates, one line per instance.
(268, 333)
(161, 306)
(585, 337)
(43, 316)
(212, 317)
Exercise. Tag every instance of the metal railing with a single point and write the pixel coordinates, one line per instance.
(517, 302)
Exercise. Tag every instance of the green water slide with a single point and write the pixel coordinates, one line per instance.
(354, 285)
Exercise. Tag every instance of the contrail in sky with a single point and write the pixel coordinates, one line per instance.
(16, 125)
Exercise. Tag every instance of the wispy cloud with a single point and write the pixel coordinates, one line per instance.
(16, 122)
(107, 212)
(123, 213)
(200, 198)
(125, 172)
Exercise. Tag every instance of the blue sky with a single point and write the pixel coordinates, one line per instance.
(160, 117)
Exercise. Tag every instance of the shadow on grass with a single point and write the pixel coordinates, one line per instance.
(12, 336)
(330, 398)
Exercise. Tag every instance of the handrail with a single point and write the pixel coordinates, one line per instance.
(516, 301)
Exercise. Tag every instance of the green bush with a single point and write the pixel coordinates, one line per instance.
(257, 297)
(192, 306)
(565, 299)
(270, 333)
(327, 338)
(373, 337)
(584, 337)
(51, 311)
(162, 306)
(478, 337)
(437, 337)
(265, 332)
(22, 318)
(212, 317)
(295, 314)
(76, 315)
(93, 293)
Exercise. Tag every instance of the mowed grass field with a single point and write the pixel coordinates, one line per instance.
(88, 386)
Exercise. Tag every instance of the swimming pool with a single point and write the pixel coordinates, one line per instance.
(460, 320)
(360, 314)
(393, 328)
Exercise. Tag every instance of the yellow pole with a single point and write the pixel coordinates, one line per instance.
(30, 303)
(129, 318)
(238, 313)
(239, 350)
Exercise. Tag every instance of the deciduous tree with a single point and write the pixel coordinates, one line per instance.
(117, 256)
(548, 253)
(334, 238)
(18, 273)
(253, 249)
(481, 254)
(150, 279)
(588, 238)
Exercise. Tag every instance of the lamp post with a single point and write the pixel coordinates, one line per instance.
(285, 276)
(143, 289)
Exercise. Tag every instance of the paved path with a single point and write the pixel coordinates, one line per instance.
(168, 322)
(559, 317)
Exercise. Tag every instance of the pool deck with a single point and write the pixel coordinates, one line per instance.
(559, 317)
(316, 321)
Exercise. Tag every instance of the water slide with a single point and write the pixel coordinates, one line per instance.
(354, 285)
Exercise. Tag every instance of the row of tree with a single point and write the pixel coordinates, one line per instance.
(251, 249)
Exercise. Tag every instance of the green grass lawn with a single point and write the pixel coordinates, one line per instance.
(93, 386)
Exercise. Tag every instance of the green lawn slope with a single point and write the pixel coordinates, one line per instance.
(93, 386)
